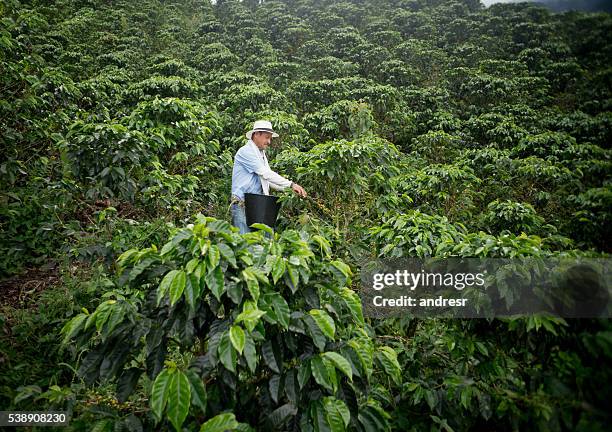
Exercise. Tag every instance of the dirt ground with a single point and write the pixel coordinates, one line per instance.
(20, 290)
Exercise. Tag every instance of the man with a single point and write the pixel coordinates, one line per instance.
(252, 174)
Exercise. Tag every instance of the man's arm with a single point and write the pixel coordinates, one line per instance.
(277, 181)
(254, 164)
(277, 187)
(282, 186)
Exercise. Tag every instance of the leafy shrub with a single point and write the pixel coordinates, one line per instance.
(344, 177)
(438, 146)
(591, 223)
(239, 98)
(313, 95)
(172, 67)
(497, 130)
(32, 229)
(260, 324)
(281, 74)
(423, 57)
(163, 87)
(534, 173)
(177, 125)
(151, 158)
(215, 57)
(330, 67)
(106, 157)
(343, 119)
(511, 216)
(396, 73)
(414, 234)
(450, 189)
(543, 145)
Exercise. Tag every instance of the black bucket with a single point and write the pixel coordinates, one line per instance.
(261, 209)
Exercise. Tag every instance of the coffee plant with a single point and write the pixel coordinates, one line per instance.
(263, 327)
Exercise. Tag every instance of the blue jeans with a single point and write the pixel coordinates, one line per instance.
(239, 218)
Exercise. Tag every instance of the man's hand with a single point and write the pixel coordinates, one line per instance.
(298, 190)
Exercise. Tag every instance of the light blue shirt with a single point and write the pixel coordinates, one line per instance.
(250, 167)
(244, 174)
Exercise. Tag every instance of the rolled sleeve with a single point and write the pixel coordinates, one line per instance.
(276, 180)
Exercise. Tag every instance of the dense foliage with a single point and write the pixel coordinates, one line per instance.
(418, 127)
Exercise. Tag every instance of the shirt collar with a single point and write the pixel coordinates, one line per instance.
(256, 148)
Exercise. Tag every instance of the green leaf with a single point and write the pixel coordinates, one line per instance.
(159, 393)
(321, 373)
(131, 423)
(125, 258)
(214, 256)
(179, 399)
(250, 278)
(263, 227)
(292, 278)
(353, 360)
(315, 332)
(354, 304)
(72, 327)
(345, 269)
(177, 286)
(227, 354)
(198, 391)
(337, 414)
(102, 313)
(250, 353)
(115, 317)
(364, 352)
(280, 307)
(105, 425)
(250, 318)
(220, 423)
(200, 270)
(270, 356)
(341, 271)
(304, 372)
(430, 398)
(234, 291)
(340, 362)
(90, 366)
(192, 290)
(237, 337)
(324, 321)
(127, 383)
(280, 415)
(388, 359)
(278, 268)
(373, 419)
(317, 417)
(323, 243)
(167, 248)
(227, 253)
(164, 285)
(292, 389)
(253, 287)
(274, 386)
(215, 282)
(192, 265)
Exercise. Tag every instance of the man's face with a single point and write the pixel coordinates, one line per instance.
(262, 139)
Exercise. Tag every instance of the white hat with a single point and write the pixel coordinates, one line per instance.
(262, 125)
